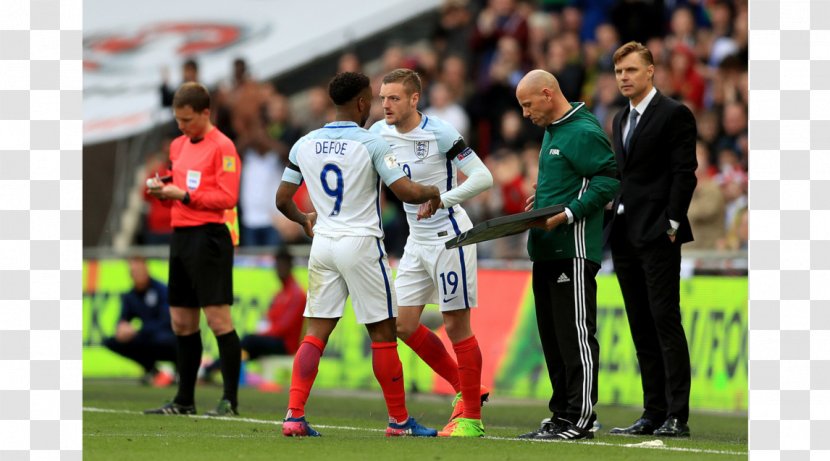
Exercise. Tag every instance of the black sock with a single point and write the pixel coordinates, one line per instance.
(188, 359)
(230, 353)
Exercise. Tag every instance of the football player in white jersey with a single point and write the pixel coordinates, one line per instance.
(343, 165)
(430, 152)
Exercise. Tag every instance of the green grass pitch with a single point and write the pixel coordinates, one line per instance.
(352, 425)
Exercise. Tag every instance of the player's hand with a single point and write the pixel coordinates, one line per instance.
(308, 226)
(530, 200)
(427, 209)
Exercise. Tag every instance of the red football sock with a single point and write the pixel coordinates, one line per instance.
(306, 364)
(389, 373)
(469, 372)
(431, 350)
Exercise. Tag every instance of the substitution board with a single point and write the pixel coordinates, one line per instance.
(503, 226)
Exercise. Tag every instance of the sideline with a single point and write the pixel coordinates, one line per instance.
(649, 445)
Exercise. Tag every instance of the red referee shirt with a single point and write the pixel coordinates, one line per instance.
(209, 171)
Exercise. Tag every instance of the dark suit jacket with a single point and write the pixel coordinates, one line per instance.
(657, 175)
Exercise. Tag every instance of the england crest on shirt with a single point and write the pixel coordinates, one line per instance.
(421, 149)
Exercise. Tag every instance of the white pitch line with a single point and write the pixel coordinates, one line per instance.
(181, 436)
(229, 418)
(348, 428)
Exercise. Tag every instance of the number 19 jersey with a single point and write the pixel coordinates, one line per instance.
(343, 165)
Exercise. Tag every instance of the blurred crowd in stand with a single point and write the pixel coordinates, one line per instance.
(470, 66)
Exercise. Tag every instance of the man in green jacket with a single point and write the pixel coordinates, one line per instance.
(577, 169)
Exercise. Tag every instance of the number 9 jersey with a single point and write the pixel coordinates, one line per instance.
(343, 165)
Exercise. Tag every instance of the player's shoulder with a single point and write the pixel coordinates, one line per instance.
(304, 138)
(357, 134)
(445, 134)
(353, 134)
(307, 141)
(435, 124)
(380, 127)
(374, 141)
(440, 128)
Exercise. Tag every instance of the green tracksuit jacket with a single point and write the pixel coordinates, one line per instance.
(577, 169)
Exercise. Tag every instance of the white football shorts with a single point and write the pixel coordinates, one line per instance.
(431, 274)
(357, 266)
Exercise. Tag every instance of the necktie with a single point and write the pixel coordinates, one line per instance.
(632, 122)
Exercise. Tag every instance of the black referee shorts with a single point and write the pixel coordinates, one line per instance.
(201, 266)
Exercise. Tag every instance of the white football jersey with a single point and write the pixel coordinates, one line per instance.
(430, 154)
(343, 165)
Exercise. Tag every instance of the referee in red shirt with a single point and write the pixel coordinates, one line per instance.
(205, 182)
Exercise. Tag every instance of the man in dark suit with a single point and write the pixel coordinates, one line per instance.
(654, 143)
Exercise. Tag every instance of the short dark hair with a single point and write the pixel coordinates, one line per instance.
(634, 47)
(190, 62)
(346, 85)
(406, 77)
(192, 94)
